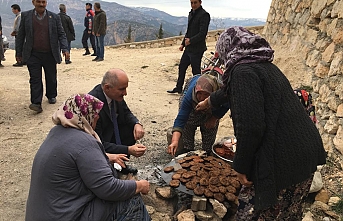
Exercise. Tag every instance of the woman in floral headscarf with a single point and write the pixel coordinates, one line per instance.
(72, 178)
(278, 147)
(187, 120)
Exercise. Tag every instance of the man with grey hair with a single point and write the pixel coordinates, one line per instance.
(68, 27)
(117, 127)
(99, 31)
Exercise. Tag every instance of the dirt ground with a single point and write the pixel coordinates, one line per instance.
(151, 72)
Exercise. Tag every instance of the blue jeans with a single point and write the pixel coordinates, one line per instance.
(100, 50)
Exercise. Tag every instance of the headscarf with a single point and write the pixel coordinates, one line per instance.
(206, 83)
(79, 111)
(237, 45)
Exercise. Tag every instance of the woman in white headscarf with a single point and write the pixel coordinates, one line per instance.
(72, 178)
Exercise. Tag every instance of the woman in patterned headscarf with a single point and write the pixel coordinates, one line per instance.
(188, 120)
(72, 178)
(278, 147)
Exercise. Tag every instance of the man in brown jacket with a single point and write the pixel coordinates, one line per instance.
(99, 31)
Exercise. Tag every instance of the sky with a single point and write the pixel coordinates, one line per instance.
(216, 8)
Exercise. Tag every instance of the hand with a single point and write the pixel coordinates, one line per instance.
(0, 32)
(98, 35)
(66, 55)
(138, 132)
(211, 123)
(89, 32)
(173, 147)
(243, 179)
(181, 47)
(117, 158)
(142, 186)
(13, 33)
(137, 150)
(203, 105)
(187, 41)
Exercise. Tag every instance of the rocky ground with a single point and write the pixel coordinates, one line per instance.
(151, 71)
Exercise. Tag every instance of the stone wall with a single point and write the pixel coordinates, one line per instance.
(167, 42)
(314, 28)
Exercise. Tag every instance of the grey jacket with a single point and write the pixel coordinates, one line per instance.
(24, 39)
(71, 179)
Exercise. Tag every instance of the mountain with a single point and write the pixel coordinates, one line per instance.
(145, 22)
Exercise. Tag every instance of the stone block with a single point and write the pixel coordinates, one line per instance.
(198, 203)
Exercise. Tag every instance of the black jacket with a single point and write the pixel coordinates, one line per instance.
(104, 127)
(68, 26)
(197, 28)
(277, 143)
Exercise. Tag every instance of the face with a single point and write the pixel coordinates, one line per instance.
(195, 4)
(95, 121)
(202, 95)
(40, 5)
(88, 7)
(117, 92)
(15, 11)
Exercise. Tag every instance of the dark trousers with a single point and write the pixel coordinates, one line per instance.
(85, 37)
(35, 63)
(188, 58)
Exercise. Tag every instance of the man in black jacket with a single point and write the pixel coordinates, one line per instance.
(2, 57)
(68, 27)
(194, 43)
(87, 33)
(111, 91)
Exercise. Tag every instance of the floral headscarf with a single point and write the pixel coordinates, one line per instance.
(207, 83)
(237, 45)
(79, 111)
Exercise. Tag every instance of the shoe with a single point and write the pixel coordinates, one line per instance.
(86, 53)
(93, 54)
(68, 62)
(95, 59)
(18, 65)
(36, 107)
(129, 169)
(52, 100)
(1, 65)
(175, 90)
(99, 59)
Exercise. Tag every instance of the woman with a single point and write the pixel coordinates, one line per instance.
(278, 146)
(187, 120)
(72, 178)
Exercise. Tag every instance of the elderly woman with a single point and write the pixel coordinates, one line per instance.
(187, 120)
(278, 146)
(72, 178)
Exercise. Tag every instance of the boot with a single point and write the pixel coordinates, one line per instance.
(87, 52)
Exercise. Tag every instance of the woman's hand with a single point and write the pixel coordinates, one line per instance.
(203, 105)
(117, 158)
(174, 143)
(211, 123)
(243, 179)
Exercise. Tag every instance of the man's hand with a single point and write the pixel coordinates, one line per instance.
(243, 179)
(138, 132)
(13, 33)
(66, 55)
(19, 59)
(187, 41)
(142, 186)
(203, 105)
(181, 47)
(137, 150)
(211, 123)
(117, 158)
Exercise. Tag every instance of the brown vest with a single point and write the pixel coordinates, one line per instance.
(41, 40)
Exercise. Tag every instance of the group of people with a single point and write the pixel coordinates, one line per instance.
(75, 171)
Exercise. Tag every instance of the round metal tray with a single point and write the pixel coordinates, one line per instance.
(230, 161)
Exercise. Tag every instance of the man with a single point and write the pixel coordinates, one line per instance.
(68, 28)
(42, 34)
(87, 33)
(194, 43)
(99, 30)
(16, 10)
(2, 57)
(111, 91)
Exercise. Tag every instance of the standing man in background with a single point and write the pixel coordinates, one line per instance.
(68, 27)
(38, 43)
(194, 43)
(2, 57)
(87, 33)
(99, 30)
(16, 10)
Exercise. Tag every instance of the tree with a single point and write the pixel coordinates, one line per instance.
(180, 33)
(160, 32)
(128, 38)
